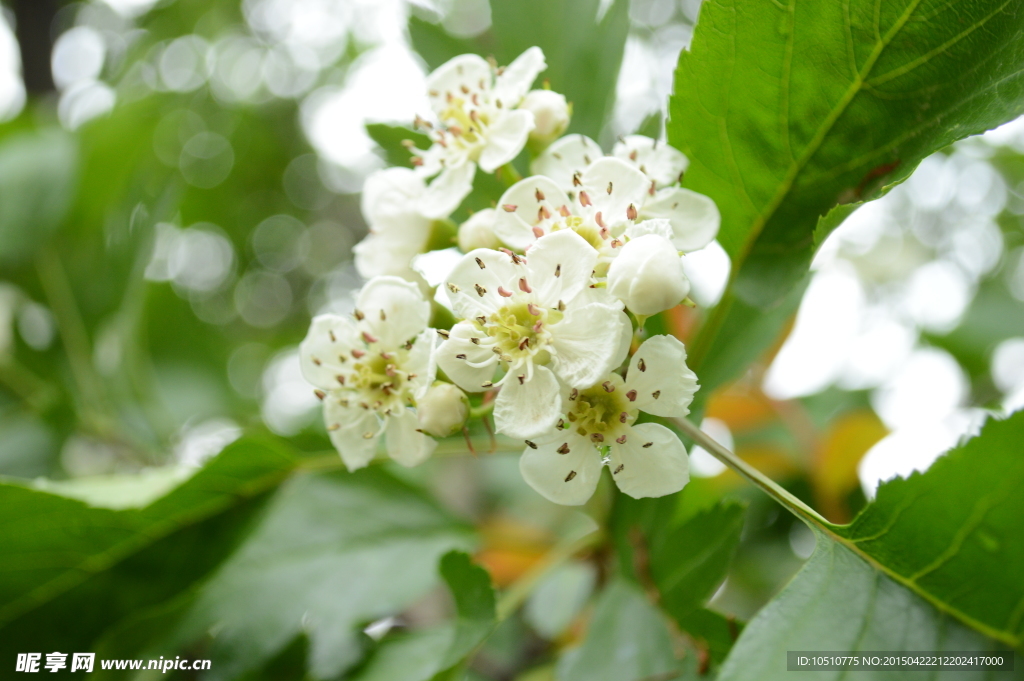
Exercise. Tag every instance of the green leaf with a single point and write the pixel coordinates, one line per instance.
(583, 50)
(840, 603)
(390, 138)
(952, 534)
(436, 45)
(786, 109)
(558, 599)
(38, 174)
(333, 553)
(474, 601)
(63, 556)
(627, 640)
(691, 560)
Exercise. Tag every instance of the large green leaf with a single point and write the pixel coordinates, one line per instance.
(953, 534)
(63, 556)
(787, 108)
(941, 547)
(334, 553)
(583, 50)
(840, 603)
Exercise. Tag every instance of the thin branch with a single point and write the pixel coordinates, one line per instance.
(753, 475)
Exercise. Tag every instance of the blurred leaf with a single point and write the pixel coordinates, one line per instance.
(409, 657)
(952, 534)
(62, 556)
(38, 172)
(584, 51)
(839, 602)
(436, 45)
(786, 113)
(474, 603)
(333, 553)
(119, 492)
(627, 640)
(390, 138)
(834, 474)
(558, 599)
(690, 560)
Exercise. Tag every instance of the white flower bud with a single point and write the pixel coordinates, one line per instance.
(442, 410)
(647, 275)
(478, 231)
(551, 115)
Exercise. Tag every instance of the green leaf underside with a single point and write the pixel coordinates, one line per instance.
(63, 556)
(786, 109)
(953, 533)
(627, 640)
(840, 603)
(333, 553)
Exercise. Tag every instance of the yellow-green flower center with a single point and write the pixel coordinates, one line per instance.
(602, 412)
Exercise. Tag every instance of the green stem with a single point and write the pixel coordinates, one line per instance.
(36, 392)
(71, 327)
(451, 448)
(508, 174)
(769, 486)
(481, 411)
(517, 594)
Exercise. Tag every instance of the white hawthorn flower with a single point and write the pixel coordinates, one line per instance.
(397, 208)
(478, 231)
(551, 114)
(648, 275)
(371, 370)
(479, 122)
(535, 318)
(694, 217)
(646, 460)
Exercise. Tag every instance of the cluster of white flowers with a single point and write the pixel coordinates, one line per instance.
(555, 281)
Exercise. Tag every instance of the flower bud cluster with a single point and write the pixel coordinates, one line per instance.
(543, 294)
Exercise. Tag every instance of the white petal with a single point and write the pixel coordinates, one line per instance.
(329, 338)
(530, 408)
(379, 255)
(565, 158)
(629, 188)
(465, 70)
(587, 343)
(517, 78)
(473, 290)
(695, 218)
(659, 226)
(515, 227)
(394, 310)
(447, 191)
(660, 468)
(467, 377)
(661, 162)
(559, 266)
(354, 432)
(390, 192)
(664, 374)
(405, 445)
(569, 478)
(422, 361)
(505, 139)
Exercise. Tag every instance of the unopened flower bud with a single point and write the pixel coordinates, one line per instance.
(647, 275)
(443, 410)
(551, 115)
(478, 231)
